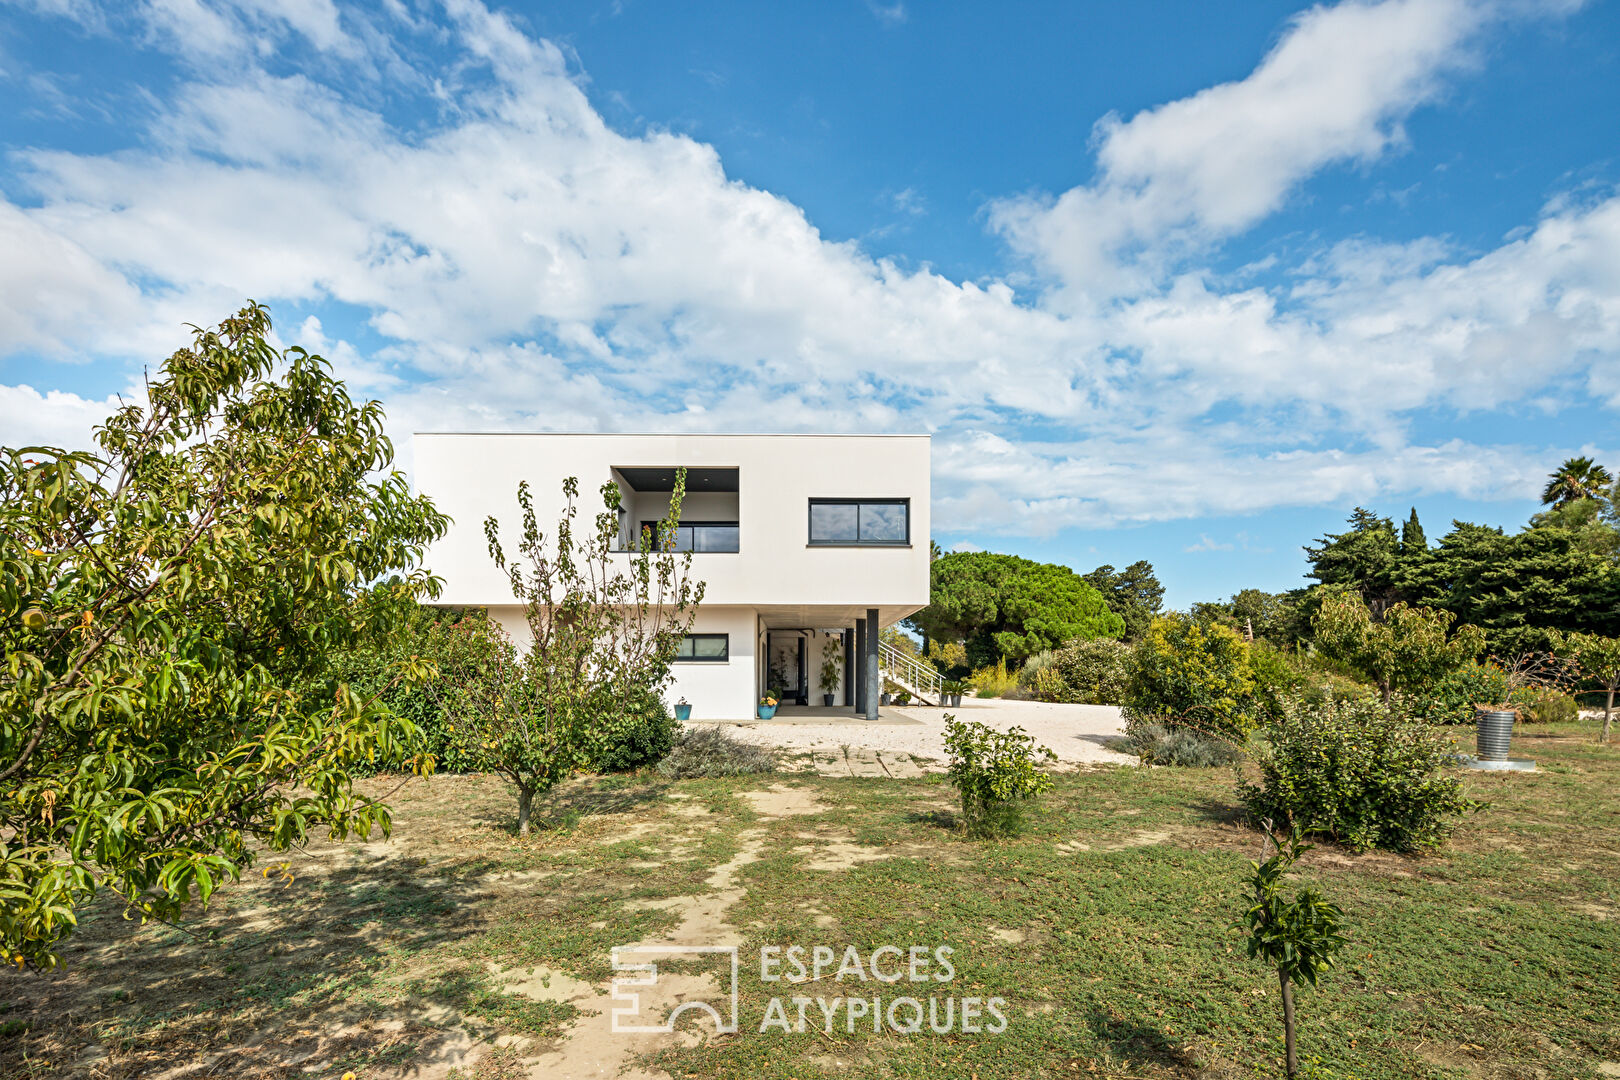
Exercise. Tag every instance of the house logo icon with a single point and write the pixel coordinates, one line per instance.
(641, 961)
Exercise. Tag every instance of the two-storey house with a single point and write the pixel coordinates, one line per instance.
(807, 544)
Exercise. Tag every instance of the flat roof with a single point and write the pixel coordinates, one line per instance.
(699, 434)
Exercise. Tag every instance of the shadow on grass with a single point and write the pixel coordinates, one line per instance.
(939, 819)
(1139, 1044)
(321, 954)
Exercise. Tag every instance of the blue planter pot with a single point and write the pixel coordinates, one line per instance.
(683, 713)
(767, 711)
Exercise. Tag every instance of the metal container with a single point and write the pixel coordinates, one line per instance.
(1493, 730)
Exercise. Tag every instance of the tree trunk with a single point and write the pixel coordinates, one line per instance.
(1608, 713)
(1289, 1054)
(525, 807)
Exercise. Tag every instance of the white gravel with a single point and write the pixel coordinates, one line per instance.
(1075, 733)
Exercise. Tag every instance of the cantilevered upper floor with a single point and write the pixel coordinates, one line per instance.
(784, 521)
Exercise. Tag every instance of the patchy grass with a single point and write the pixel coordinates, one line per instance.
(1106, 926)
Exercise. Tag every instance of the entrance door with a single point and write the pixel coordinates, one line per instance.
(785, 672)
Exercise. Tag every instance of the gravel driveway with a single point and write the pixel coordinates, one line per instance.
(911, 741)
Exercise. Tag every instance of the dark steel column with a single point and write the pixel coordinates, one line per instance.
(857, 674)
(849, 668)
(874, 681)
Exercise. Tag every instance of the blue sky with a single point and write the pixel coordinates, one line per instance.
(1181, 282)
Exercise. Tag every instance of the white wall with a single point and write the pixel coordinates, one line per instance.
(717, 691)
(472, 476)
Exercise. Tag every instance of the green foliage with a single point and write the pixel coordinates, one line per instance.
(640, 733)
(1451, 698)
(1276, 676)
(1577, 478)
(995, 773)
(1297, 938)
(1546, 705)
(993, 680)
(1408, 649)
(709, 752)
(603, 631)
(1187, 674)
(1366, 558)
(1560, 574)
(1256, 614)
(1598, 659)
(832, 664)
(166, 611)
(1182, 747)
(1359, 771)
(1095, 672)
(1004, 607)
(1135, 594)
(1413, 541)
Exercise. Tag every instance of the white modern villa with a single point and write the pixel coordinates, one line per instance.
(808, 545)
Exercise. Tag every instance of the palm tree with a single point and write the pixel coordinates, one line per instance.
(1577, 478)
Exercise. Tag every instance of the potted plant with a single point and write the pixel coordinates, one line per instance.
(683, 711)
(903, 698)
(830, 654)
(767, 706)
(952, 690)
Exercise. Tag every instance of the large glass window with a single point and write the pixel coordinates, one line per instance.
(704, 649)
(860, 521)
(697, 535)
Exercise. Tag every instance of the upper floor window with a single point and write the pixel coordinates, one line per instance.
(860, 521)
(695, 535)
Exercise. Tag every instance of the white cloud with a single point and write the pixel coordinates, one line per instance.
(1172, 179)
(530, 267)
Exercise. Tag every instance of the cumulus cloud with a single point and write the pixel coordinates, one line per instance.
(526, 266)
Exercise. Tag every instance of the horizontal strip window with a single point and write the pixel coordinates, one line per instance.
(864, 522)
(697, 536)
(704, 649)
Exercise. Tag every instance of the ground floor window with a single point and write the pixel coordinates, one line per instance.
(704, 649)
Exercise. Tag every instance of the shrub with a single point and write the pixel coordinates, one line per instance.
(709, 752)
(1451, 698)
(641, 735)
(1543, 705)
(1156, 744)
(1192, 675)
(993, 681)
(1275, 677)
(995, 773)
(1095, 672)
(1359, 771)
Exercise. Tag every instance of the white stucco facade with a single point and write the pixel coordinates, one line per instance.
(787, 581)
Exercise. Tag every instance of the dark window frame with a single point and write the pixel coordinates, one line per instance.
(651, 525)
(857, 503)
(694, 659)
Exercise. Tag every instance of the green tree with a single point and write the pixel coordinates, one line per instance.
(166, 610)
(1413, 542)
(1577, 478)
(1560, 574)
(1366, 557)
(1005, 607)
(1135, 594)
(1195, 675)
(1298, 938)
(1599, 660)
(1408, 649)
(603, 627)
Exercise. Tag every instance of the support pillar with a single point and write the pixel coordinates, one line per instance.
(849, 668)
(874, 681)
(857, 676)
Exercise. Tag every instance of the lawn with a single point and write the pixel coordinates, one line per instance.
(458, 949)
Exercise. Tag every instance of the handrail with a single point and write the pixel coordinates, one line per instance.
(923, 679)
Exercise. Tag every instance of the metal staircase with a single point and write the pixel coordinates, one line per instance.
(925, 683)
